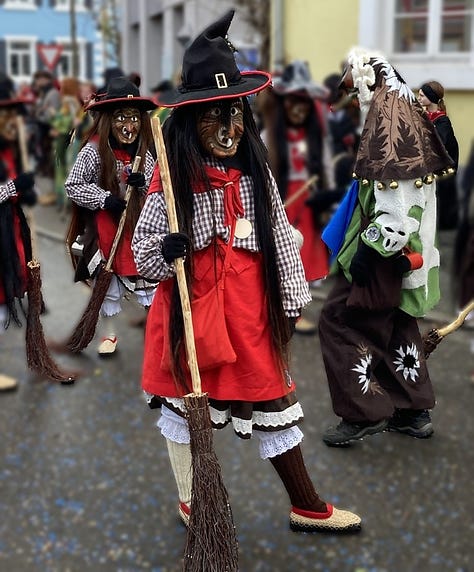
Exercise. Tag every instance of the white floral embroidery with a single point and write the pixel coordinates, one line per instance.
(408, 362)
(363, 368)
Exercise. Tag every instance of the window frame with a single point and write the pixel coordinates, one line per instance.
(65, 42)
(64, 6)
(377, 31)
(32, 41)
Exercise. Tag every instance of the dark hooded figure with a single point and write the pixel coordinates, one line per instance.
(245, 277)
(383, 240)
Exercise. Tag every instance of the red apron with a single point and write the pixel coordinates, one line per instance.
(314, 252)
(255, 375)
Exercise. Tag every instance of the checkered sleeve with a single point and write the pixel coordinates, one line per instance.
(294, 287)
(82, 182)
(7, 191)
(152, 227)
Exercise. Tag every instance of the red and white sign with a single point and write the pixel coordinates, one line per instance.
(49, 54)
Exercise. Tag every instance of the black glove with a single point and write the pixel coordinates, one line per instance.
(175, 245)
(136, 180)
(28, 197)
(402, 264)
(292, 325)
(361, 264)
(24, 182)
(114, 204)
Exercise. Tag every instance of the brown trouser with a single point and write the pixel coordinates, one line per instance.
(374, 359)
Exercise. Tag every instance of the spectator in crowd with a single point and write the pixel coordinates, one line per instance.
(431, 97)
(47, 104)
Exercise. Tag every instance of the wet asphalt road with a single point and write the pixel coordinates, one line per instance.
(85, 483)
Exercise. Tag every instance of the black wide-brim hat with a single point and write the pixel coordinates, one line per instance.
(210, 71)
(8, 99)
(121, 92)
(296, 79)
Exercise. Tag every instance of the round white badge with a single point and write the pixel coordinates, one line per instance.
(243, 228)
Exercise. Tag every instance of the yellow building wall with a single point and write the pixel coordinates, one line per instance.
(320, 32)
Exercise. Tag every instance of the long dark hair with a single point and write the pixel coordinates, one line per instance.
(100, 131)
(187, 166)
(11, 271)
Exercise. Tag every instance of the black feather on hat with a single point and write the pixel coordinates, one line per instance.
(120, 92)
(210, 71)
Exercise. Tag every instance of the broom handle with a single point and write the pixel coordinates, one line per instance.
(179, 262)
(300, 191)
(458, 322)
(123, 216)
(25, 165)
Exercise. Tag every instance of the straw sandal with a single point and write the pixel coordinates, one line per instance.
(107, 346)
(184, 512)
(334, 520)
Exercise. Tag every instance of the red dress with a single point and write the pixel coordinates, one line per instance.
(313, 252)
(6, 156)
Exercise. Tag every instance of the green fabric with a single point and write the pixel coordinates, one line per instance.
(415, 301)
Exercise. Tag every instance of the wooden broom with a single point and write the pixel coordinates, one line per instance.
(38, 355)
(85, 329)
(295, 196)
(434, 336)
(211, 543)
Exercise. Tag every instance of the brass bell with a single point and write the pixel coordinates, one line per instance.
(381, 186)
(450, 171)
(418, 183)
(393, 184)
(428, 179)
(354, 175)
(365, 182)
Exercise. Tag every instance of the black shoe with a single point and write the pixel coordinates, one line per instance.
(413, 422)
(345, 432)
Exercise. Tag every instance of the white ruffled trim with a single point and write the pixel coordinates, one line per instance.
(173, 427)
(274, 419)
(278, 442)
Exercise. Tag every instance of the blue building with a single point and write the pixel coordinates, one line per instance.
(36, 35)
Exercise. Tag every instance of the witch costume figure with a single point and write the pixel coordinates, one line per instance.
(294, 133)
(19, 271)
(16, 191)
(96, 186)
(246, 279)
(386, 263)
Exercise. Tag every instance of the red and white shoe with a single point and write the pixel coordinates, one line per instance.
(184, 511)
(334, 520)
(107, 346)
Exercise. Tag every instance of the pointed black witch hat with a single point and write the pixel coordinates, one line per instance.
(210, 71)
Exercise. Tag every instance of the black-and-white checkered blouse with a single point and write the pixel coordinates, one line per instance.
(152, 227)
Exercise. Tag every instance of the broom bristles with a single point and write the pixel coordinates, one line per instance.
(37, 353)
(211, 543)
(85, 329)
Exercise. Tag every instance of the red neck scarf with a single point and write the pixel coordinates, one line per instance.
(433, 115)
(229, 180)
